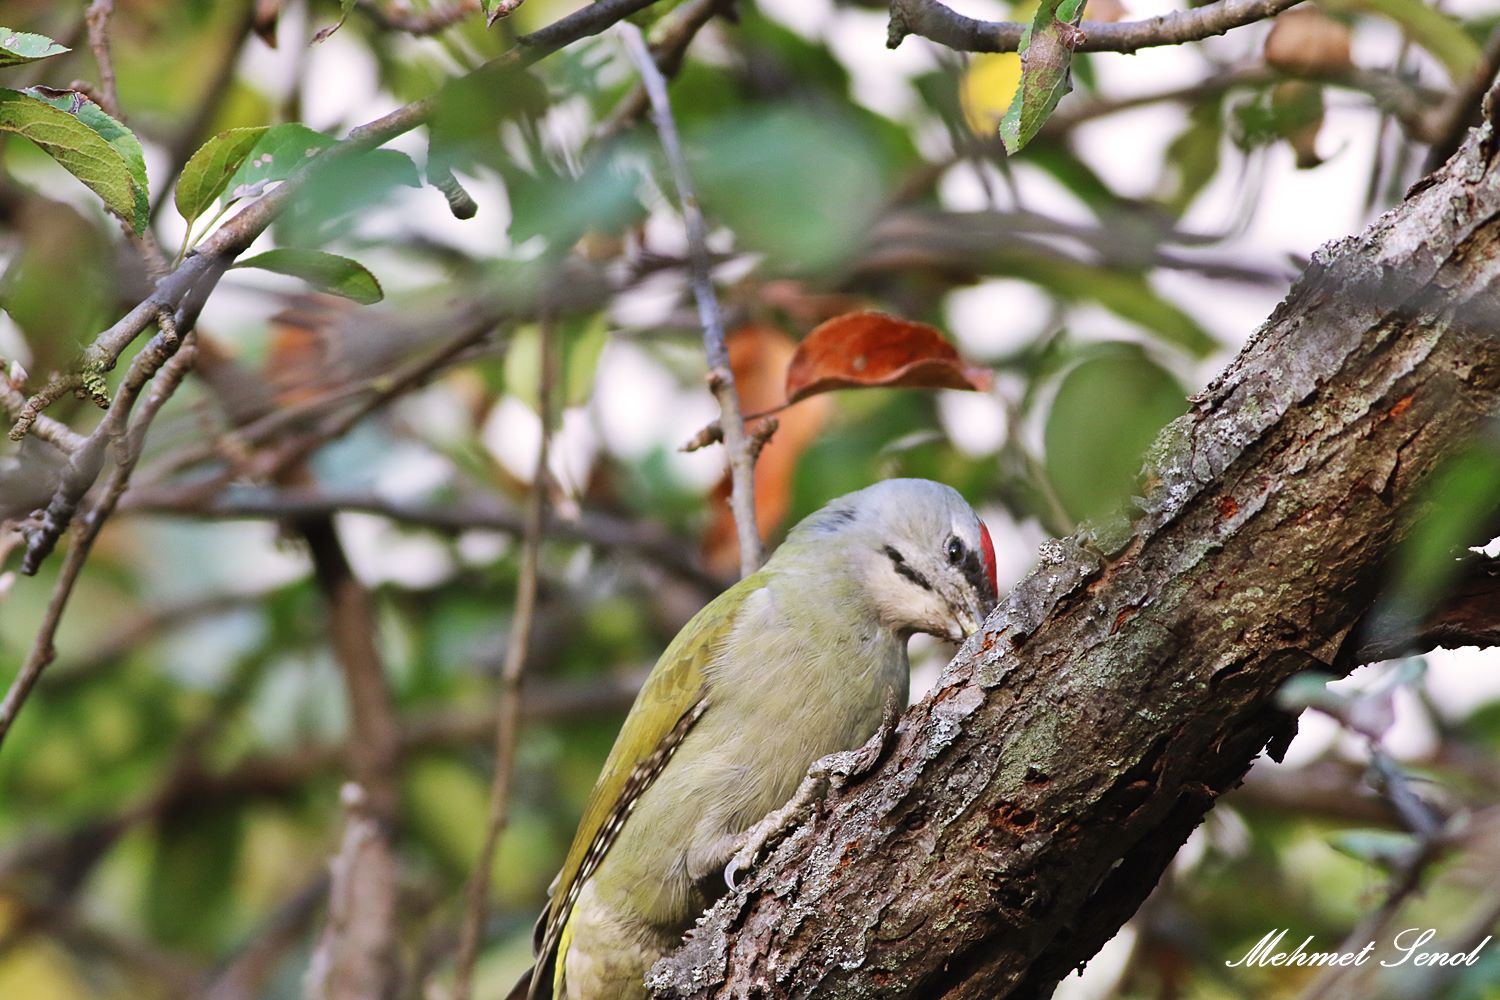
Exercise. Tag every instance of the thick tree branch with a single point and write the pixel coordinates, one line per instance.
(941, 24)
(1469, 615)
(1036, 795)
(361, 939)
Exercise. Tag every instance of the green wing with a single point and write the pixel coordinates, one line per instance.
(671, 700)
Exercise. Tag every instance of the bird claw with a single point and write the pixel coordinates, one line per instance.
(730, 871)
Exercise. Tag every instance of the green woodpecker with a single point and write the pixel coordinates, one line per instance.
(792, 663)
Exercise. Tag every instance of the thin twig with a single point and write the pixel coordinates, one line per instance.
(510, 680)
(668, 51)
(42, 649)
(86, 461)
(187, 287)
(426, 22)
(591, 527)
(54, 432)
(97, 17)
(941, 24)
(203, 268)
(192, 134)
(720, 375)
(1433, 839)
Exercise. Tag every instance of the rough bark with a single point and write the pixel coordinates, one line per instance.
(1033, 799)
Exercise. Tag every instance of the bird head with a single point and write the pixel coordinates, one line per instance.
(924, 558)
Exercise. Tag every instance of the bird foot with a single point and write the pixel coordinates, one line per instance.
(834, 771)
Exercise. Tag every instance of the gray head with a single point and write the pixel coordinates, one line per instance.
(925, 560)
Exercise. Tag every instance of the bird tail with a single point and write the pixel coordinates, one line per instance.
(522, 989)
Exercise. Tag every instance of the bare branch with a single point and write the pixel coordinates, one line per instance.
(434, 19)
(510, 678)
(201, 271)
(592, 527)
(86, 461)
(97, 18)
(157, 355)
(1468, 615)
(350, 962)
(720, 375)
(668, 51)
(362, 944)
(54, 432)
(941, 24)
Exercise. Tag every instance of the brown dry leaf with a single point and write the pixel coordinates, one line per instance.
(1307, 42)
(864, 349)
(759, 355)
(264, 20)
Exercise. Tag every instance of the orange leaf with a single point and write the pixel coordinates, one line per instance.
(863, 349)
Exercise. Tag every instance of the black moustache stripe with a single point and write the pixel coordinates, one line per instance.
(978, 577)
(904, 569)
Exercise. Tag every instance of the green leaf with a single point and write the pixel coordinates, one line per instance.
(1193, 155)
(95, 117)
(325, 271)
(206, 174)
(340, 193)
(1438, 32)
(1463, 491)
(1107, 410)
(759, 173)
(89, 144)
(560, 208)
(1128, 294)
(1046, 65)
(279, 153)
(20, 47)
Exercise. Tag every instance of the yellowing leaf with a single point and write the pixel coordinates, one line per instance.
(1047, 58)
(104, 165)
(208, 171)
(987, 88)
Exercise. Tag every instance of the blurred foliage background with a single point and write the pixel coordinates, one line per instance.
(169, 799)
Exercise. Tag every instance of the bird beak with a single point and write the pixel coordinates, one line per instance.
(966, 622)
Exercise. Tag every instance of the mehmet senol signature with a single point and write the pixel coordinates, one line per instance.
(1407, 947)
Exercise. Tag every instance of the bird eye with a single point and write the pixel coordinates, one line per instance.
(955, 549)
